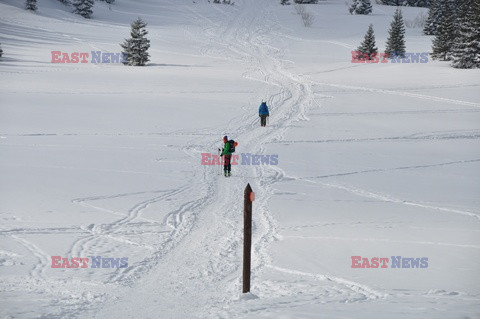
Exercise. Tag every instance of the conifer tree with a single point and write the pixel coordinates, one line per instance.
(31, 5)
(137, 46)
(423, 3)
(437, 9)
(395, 2)
(418, 3)
(466, 47)
(284, 2)
(84, 8)
(396, 36)
(442, 44)
(432, 18)
(361, 7)
(461, 8)
(1, 51)
(411, 3)
(367, 47)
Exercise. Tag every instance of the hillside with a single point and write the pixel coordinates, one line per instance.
(374, 160)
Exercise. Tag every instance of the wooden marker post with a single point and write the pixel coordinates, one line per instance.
(249, 197)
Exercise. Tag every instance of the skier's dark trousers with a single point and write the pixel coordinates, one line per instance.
(263, 120)
(263, 113)
(227, 166)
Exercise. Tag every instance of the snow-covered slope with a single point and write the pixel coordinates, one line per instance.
(104, 160)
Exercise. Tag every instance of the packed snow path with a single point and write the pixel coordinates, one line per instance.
(208, 234)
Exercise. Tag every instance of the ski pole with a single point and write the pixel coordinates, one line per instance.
(219, 163)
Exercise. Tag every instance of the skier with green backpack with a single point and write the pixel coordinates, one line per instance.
(226, 153)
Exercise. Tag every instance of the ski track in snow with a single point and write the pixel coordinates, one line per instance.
(432, 136)
(368, 292)
(111, 231)
(38, 271)
(388, 198)
(376, 170)
(401, 93)
(384, 240)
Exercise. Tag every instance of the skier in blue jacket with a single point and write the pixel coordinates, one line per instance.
(263, 113)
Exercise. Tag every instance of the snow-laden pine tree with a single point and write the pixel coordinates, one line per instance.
(1, 51)
(31, 5)
(442, 44)
(84, 8)
(423, 3)
(434, 16)
(411, 3)
(437, 9)
(367, 47)
(361, 7)
(284, 2)
(137, 46)
(396, 36)
(466, 48)
(395, 2)
(418, 3)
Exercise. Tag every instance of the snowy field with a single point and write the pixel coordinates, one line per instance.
(375, 160)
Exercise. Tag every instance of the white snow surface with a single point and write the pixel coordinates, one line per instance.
(375, 160)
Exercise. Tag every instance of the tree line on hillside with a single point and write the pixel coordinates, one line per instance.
(410, 3)
(455, 25)
(85, 7)
(81, 7)
(287, 2)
